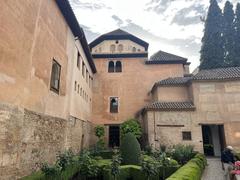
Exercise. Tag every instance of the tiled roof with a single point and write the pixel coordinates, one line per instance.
(174, 81)
(162, 57)
(218, 74)
(171, 106)
(118, 34)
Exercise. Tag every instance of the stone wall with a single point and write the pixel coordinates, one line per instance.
(28, 139)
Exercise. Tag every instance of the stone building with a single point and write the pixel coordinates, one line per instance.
(125, 76)
(202, 110)
(55, 89)
(46, 77)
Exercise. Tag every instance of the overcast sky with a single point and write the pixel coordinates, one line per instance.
(173, 26)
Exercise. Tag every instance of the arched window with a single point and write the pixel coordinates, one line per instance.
(111, 66)
(134, 49)
(118, 66)
(120, 47)
(112, 48)
(114, 105)
(55, 76)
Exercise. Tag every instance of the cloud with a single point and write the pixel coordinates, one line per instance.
(86, 5)
(189, 15)
(118, 20)
(159, 6)
(90, 35)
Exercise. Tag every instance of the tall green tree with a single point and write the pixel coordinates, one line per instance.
(228, 34)
(212, 51)
(237, 36)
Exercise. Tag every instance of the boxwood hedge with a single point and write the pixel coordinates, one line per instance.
(192, 170)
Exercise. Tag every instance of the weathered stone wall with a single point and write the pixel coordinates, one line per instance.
(28, 139)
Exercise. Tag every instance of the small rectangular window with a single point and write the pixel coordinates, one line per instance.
(83, 69)
(78, 60)
(87, 76)
(113, 104)
(55, 76)
(187, 135)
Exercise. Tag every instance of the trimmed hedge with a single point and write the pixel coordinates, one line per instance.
(192, 170)
(135, 172)
(104, 154)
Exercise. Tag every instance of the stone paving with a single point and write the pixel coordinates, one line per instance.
(214, 170)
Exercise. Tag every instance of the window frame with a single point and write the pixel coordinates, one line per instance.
(111, 109)
(52, 87)
(186, 135)
(78, 60)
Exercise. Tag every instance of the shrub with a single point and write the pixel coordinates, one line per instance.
(49, 171)
(88, 165)
(130, 150)
(149, 166)
(64, 159)
(182, 153)
(115, 165)
(192, 170)
(131, 126)
(99, 131)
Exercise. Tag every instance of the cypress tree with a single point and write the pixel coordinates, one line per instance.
(228, 34)
(237, 36)
(212, 51)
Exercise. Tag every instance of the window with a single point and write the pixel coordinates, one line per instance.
(120, 47)
(78, 89)
(133, 49)
(187, 135)
(55, 76)
(113, 105)
(87, 76)
(78, 60)
(112, 48)
(111, 66)
(81, 92)
(75, 86)
(118, 66)
(83, 69)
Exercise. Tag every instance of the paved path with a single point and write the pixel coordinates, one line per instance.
(214, 170)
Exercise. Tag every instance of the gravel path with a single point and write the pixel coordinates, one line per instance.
(214, 170)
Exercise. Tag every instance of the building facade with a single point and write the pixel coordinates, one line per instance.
(202, 110)
(125, 76)
(46, 77)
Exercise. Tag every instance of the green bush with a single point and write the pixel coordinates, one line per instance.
(105, 154)
(192, 170)
(130, 150)
(182, 153)
(88, 165)
(149, 166)
(131, 126)
(128, 172)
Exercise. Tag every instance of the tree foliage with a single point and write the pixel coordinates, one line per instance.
(236, 61)
(130, 150)
(228, 34)
(131, 126)
(212, 51)
(115, 165)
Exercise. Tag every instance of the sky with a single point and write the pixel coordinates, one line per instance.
(173, 26)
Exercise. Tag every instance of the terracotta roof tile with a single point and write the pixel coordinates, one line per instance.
(162, 57)
(171, 106)
(230, 73)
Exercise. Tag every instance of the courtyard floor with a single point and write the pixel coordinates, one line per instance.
(213, 170)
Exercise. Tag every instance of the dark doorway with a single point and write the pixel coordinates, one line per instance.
(114, 136)
(213, 139)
